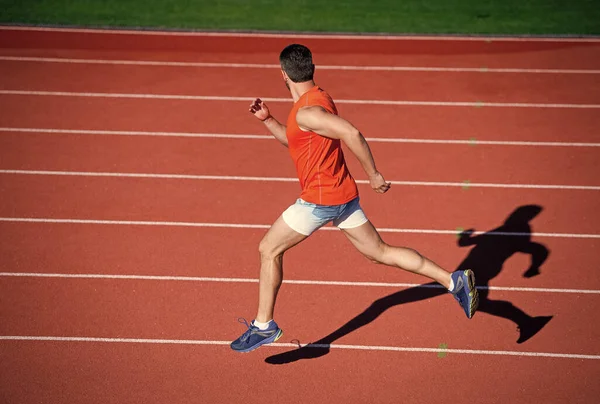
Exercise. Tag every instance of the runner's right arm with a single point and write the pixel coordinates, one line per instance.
(315, 118)
(261, 111)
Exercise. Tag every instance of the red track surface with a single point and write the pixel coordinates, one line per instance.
(205, 309)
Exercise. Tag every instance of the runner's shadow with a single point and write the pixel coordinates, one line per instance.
(486, 258)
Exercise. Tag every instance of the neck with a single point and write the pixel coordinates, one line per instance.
(298, 89)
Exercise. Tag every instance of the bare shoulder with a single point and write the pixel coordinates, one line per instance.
(311, 110)
(308, 117)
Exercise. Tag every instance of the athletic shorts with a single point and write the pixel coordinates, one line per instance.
(305, 217)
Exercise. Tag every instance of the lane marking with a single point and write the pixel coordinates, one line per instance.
(266, 226)
(144, 133)
(287, 100)
(464, 185)
(276, 66)
(304, 35)
(288, 281)
(293, 345)
(469, 142)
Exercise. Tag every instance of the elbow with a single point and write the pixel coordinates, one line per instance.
(353, 136)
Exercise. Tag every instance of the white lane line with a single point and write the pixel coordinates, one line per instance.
(276, 66)
(266, 226)
(148, 133)
(287, 100)
(292, 345)
(305, 35)
(475, 141)
(154, 176)
(289, 179)
(136, 223)
(471, 142)
(288, 281)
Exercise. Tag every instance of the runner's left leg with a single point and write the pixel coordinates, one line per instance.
(278, 240)
(368, 241)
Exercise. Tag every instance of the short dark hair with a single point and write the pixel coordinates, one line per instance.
(296, 61)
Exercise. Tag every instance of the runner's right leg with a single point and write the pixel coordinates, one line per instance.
(263, 330)
(278, 240)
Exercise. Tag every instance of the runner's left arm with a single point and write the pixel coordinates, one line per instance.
(320, 121)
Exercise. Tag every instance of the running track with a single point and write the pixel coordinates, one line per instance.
(136, 187)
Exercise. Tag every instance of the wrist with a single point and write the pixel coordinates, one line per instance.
(267, 119)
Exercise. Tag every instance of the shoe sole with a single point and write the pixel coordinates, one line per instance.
(473, 293)
(265, 341)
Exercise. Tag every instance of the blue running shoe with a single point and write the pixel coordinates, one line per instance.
(465, 292)
(255, 337)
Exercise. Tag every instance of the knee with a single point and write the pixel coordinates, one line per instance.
(267, 251)
(377, 255)
(373, 259)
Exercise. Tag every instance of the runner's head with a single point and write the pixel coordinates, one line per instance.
(296, 64)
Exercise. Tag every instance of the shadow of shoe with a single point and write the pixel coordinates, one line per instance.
(310, 351)
(532, 327)
(531, 272)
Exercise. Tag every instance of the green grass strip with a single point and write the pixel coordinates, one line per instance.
(507, 17)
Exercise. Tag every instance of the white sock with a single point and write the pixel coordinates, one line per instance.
(451, 288)
(262, 326)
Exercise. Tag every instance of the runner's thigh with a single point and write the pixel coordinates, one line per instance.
(279, 238)
(366, 239)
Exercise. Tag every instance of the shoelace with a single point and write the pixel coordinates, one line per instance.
(251, 329)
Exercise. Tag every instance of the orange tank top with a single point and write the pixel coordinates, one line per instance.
(319, 161)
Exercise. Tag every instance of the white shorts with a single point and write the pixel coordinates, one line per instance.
(305, 217)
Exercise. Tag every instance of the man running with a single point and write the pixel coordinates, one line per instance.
(313, 134)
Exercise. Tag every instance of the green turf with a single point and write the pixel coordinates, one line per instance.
(513, 17)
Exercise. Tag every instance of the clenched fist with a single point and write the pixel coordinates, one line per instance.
(260, 109)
